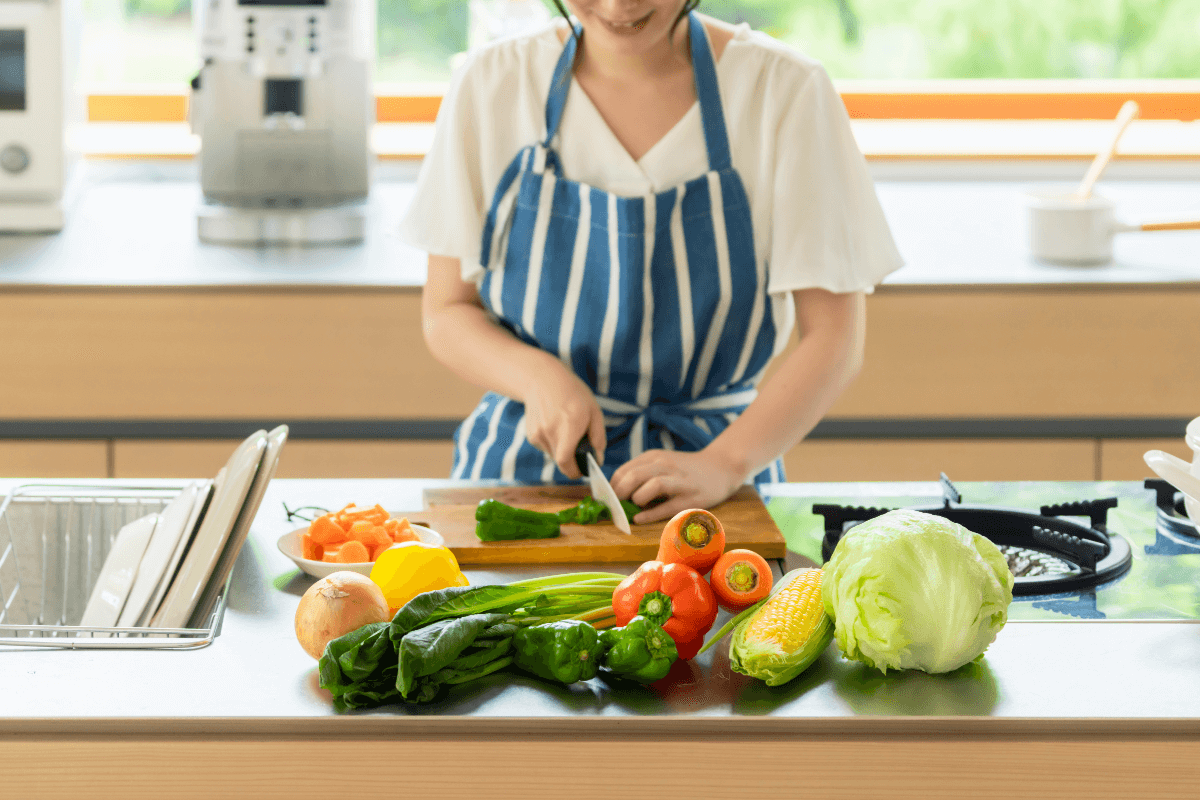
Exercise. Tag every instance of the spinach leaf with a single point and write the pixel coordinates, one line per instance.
(478, 657)
(426, 650)
(416, 612)
(457, 601)
(359, 668)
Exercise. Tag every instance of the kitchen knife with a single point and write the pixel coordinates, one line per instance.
(585, 459)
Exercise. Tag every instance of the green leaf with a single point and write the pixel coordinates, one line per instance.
(426, 650)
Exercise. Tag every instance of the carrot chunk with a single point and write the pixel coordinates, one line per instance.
(310, 549)
(351, 552)
(324, 531)
(403, 531)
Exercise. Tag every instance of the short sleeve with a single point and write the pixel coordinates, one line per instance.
(445, 216)
(828, 229)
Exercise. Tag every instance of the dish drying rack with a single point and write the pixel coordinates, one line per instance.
(53, 542)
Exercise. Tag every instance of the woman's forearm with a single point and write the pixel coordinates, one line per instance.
(462, 337)
(465, 340)
(795, 398)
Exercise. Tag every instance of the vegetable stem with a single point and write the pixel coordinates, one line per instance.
(486, 669)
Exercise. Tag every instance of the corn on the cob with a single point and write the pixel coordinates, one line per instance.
(786, 633)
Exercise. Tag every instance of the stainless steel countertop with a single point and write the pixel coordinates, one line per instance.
(133, 225)
(1074, 675)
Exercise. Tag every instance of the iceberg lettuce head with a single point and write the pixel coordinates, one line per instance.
(910, 590)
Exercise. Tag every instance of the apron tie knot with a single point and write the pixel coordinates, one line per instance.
(683, 421)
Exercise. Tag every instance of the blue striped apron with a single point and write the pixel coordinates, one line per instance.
(657, 302)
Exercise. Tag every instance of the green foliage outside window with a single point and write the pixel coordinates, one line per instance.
(871, 39)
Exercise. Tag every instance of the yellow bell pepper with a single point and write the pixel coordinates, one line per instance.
(410, 568)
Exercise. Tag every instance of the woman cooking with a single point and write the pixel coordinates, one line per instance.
(625, 215)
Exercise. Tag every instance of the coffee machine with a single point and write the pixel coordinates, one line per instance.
(283, 106)
(39, 108)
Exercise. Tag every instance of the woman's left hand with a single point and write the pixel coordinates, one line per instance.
(685, 480)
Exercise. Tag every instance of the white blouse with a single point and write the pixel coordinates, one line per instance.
(817, 221)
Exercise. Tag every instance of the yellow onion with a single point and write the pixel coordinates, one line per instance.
(336, 605)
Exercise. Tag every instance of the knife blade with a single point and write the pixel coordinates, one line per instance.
(585, 458)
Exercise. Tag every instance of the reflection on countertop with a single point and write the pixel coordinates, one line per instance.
(133, 224)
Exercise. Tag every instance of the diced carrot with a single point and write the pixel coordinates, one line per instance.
(403, 532)
(350, 552)
(325, 531)
(369, 534)
(376, 552)
(310, 549)
(349, 515)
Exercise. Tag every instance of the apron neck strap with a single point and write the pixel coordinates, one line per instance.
(560, 83)
(709, 94)
(712, 114)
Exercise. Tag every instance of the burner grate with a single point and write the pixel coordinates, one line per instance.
(1046, 552)
(1026, 563)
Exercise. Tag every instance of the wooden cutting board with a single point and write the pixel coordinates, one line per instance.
(451, 512)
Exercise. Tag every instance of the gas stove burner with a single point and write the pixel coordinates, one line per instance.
(1172, 516)
(1046, 552)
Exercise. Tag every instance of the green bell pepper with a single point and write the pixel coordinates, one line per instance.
(589, 510)
(641, 650)
(495, 521)
(564, 651)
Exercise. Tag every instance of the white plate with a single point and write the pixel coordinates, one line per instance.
(290, 546)
(241, 528)
(117, 575)
(205, 493)
(218, 522)
(171, 523)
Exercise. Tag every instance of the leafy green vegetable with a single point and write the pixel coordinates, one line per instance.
(430, 648)
(909, 590)
(359, 669)
(454, 635)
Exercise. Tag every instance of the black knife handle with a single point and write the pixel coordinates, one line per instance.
(581, 453)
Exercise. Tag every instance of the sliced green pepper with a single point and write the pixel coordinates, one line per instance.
(641, 650)
(589, 510)
(495, 521)
(565, 651)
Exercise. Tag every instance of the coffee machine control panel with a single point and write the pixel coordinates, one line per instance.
(280, 38)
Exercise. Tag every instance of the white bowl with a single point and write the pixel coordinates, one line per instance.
(290, 546)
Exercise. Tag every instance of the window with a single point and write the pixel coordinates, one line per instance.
(151, 41)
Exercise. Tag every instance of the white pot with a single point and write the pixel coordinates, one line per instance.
(1064, 229)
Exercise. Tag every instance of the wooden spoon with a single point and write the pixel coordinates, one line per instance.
(1126, 115)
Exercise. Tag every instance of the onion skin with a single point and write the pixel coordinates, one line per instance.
(336, 605)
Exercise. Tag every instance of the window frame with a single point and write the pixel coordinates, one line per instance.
(910, 100)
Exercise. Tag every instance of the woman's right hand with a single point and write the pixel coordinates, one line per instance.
(560, 410)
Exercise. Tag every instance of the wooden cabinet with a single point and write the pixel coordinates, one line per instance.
(180, 357)
(54, 459)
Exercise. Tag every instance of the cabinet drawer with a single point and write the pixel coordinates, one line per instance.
(31, 458)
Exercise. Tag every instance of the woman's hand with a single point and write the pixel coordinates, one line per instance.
(559, 410)
(686, 480)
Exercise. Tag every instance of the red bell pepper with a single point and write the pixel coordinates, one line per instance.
(674, 596)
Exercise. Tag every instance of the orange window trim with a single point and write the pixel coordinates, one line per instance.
(966, 100)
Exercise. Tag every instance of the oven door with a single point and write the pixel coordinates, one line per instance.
(31, 101)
